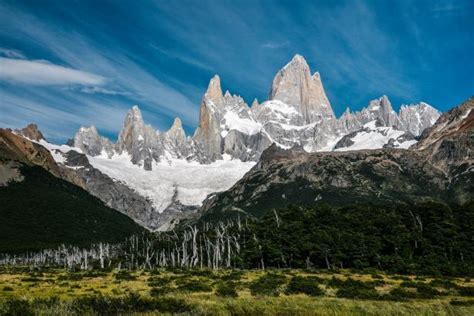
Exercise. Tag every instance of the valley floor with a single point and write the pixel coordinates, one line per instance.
(230, 292)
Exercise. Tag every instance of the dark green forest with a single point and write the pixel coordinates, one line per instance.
(44, 211)
(425, 238)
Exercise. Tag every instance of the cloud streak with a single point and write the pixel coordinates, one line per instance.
(43, 73)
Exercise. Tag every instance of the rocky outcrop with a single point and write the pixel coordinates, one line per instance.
(449, 146)
(88, 140)
(17, 148)
(418, 117)
(139, 140)
(374, 135)
(294, 85)
(31, 131)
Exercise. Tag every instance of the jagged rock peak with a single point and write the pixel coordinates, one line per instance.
(254, 103)
(176, 131)
(134, 113)
(417, 117)
(295, 86)
(177, 124)
(31, 131)
(214, 90)
(90, 142)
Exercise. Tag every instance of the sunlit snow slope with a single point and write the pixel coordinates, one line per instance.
(191, 180)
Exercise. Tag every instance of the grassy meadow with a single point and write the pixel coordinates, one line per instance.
(230, 292)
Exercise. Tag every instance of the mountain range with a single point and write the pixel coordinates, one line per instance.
(288, 149)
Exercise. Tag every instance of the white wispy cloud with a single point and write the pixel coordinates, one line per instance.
(39, 72)
(127, 73)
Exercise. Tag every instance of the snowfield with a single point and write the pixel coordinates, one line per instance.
(376, 137)
(191, 180)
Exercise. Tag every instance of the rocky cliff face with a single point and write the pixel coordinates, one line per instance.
(449, 146)
(295, 86)
(418, 117)
(90, 142)
(31, 131)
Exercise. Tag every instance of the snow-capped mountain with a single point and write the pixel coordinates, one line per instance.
(375, 135)
(174, 171)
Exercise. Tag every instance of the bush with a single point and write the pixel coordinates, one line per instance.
(466, 290)
(447, 284)
(17, 307)
(409, 284)
(133, 303)
(462, 303)
(305, 285)
(227, 289)
(125, 275)
(194, 286)
(355, 289)
(426, 292)
(31, 279)
(71, 277)
(7, 289)
(234, 275)
(423, 291)
(268, 284)
(160, 291)
(158, 281)
(400, 277)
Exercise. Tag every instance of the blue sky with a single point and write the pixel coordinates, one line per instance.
(70, 63)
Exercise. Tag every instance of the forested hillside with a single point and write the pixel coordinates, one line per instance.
(43, 211)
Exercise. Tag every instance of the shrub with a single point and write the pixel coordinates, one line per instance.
(194, 286)
(125, 275)
(400, 277)
(31, 279)
(409, 284)
(234, 275)
(462, 303)
(400, 294)
(466, 290)
(132, 303)
(376, 276)
(7, 289)
(426, 292)
(305, 285)
(158, 281)
(355, 289)
(161, 290)
(17, 307)
(71, 277)
(447, 284)
(227, 289)
(358, 293)
(423, 291)
(204, 273)
(268, 284)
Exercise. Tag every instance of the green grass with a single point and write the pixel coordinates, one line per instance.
(280, 292)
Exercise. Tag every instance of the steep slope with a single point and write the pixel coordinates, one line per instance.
(439, 168)
(39, 209)
(43, 211)
(449, 145)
